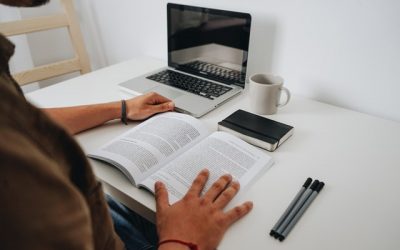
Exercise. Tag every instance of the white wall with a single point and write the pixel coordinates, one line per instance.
(343, 52)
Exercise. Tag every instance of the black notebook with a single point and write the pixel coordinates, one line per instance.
(256, 130)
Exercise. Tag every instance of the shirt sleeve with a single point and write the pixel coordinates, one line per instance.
(40, 208)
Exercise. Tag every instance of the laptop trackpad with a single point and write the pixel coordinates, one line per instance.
(166, 92)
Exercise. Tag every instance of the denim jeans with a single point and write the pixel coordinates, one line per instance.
(136, 232)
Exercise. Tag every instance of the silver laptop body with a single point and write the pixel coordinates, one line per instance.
(207, 59)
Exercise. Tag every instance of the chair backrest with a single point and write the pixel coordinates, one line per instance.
(80, 61)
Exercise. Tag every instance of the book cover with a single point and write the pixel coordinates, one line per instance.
(257, 130)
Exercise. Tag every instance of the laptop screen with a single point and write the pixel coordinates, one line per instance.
(210, 43)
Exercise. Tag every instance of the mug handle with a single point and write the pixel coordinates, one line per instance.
(287, 92)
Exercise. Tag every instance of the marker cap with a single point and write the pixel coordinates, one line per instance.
(314, 185)
(307, 183)
(320, 186)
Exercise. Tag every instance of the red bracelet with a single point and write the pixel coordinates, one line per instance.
(188, 244)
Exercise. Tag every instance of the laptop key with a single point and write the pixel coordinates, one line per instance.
(191, 84)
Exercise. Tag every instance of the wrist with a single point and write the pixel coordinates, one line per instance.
(173, 246)
(114, 110)
(176, 244)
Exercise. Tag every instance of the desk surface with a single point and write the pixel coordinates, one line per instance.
(356, 155)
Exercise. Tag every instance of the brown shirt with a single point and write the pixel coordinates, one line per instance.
(49, 197)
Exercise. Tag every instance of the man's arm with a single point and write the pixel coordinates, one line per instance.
(79, 118)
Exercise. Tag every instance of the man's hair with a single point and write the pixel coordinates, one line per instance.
(23, 3)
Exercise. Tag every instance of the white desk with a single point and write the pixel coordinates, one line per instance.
(357, 155)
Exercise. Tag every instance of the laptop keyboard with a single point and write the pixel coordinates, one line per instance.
(191, 84)
(218, 73)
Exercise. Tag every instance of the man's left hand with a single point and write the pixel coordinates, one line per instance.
(144, 106)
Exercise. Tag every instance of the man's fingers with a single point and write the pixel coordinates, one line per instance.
(217, 187)
(227, 195)
(155, 98)
(238, 212)
(161, 194)
(163, 107)
(198, 184)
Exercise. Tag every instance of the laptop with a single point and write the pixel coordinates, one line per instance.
(207, 59)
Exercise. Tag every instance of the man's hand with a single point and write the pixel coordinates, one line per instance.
(198, 219)
(144, 106)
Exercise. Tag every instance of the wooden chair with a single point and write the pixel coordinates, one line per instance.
(80, 61)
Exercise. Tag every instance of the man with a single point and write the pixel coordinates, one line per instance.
(50, 199)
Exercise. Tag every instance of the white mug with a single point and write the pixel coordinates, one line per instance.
(265, 93)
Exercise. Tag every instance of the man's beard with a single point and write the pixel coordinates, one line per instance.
(24, 3)
(39, 2)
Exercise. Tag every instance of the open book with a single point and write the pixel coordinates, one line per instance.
(174, 148)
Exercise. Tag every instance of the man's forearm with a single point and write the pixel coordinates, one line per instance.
(80, 118)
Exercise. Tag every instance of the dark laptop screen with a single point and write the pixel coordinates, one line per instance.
(207, 42)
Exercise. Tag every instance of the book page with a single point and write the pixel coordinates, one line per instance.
(145, 148)
(221, 153)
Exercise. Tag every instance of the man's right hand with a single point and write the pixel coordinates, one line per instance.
(198, 219)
